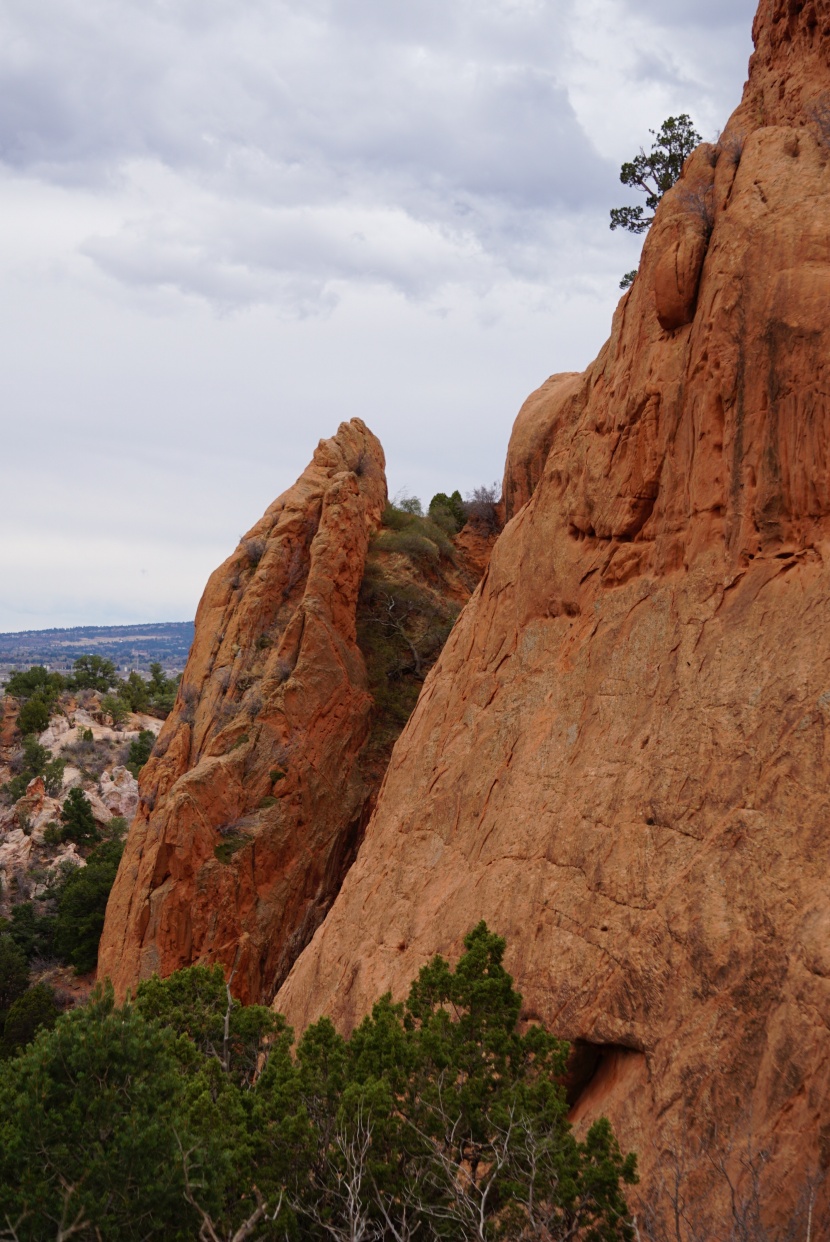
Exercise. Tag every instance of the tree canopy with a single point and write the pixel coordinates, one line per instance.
(185, 1114)
(653, 173)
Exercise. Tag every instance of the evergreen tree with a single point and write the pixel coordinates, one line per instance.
(78, 820)
(653, 173)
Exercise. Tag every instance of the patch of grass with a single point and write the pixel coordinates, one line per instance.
(276, 774)
(422, 539)
(231, 845)
(267, 801)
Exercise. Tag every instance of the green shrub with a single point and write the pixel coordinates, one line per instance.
(78, 820)
(91, 1111)
(34, 760)
(436, 1118)
(30, 931)
(229, 846)
(409, 543)
(92, 756)
(396, 519)
(53, 776)
(162, 690)
(14, 972)
(448, 511)
(140, 751)
(35, 714)
(116, 708)
(135, 692)
(82, 904)
(93, 672)
(194, 1003)
(36, 1009)
(36, 680)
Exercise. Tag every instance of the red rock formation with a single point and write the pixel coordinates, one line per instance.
(620, 759)
(253, 800)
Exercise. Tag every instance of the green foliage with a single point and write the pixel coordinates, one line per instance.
(162, 690)
(628, 279)
(91, 756)
(30, 931)
(655, 172)
(135, 692)
(140, 751)
(195, 1002)
(82, 904)
(408, 532)
(78, 820)
(435, 1119)
(93, 672)
(53, 776)
(34, 1010)
(14, 973)
(34, 760)
(410, 504)
(88, 1130)
(448, 511)
(35, 714)
(35, 680)
(229, 846)
(401, 628)
(116, 708)
(117, 827)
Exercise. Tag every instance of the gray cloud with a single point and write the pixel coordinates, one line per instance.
(451, 115)
(224, 227)
(704, 14)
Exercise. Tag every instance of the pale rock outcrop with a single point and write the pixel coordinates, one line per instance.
(253, 801)
(119, 792)
(621, 757)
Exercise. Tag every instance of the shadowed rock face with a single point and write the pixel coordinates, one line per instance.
(253, 801)
(620, 760)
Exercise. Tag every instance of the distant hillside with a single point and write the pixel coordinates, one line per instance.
(128, 646)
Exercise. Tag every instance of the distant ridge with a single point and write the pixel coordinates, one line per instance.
(128, 646)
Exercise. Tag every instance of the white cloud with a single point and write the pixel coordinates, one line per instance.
(225, 227)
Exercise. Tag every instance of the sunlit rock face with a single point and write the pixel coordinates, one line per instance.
(253, 801)
(620, 760)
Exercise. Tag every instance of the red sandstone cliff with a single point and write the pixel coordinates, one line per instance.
(311, 645)
(621, 757)
(252, 802)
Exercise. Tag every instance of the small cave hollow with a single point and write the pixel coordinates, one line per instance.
(594, 1069)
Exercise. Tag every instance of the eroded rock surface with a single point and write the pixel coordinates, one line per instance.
(620, 760)
(252, 802)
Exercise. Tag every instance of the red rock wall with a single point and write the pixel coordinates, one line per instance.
(261, 748)
(621, 758)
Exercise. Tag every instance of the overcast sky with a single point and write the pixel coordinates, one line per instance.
(226, 226)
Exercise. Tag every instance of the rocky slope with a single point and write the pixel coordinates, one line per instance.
(263, 778)
(28, 858)
(620, 759)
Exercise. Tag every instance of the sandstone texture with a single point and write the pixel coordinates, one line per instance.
(620, 760)
(253, 801)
